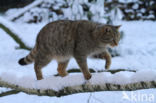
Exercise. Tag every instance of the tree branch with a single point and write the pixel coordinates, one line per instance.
(86, 87)
(82, 88)
(112, 71)
(25, 9)
(22, 45)
(9, 93)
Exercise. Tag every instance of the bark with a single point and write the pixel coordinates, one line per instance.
(87, 87)
(9, 93)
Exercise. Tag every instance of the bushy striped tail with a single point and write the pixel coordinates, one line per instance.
(29, 58)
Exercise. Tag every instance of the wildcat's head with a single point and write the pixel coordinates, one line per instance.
(108, 35)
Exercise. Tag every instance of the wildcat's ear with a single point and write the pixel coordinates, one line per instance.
(118, 26)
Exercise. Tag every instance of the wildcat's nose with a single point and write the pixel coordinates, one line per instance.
(113, 45)
(116, 44)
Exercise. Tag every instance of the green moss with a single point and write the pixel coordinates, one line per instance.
(15, 37)
(9, 93)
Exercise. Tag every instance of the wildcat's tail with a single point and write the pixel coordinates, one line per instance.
(29, 58)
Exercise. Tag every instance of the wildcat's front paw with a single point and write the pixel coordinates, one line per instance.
(63, 74)
(88, 76)
(107, 67)
(39, 77)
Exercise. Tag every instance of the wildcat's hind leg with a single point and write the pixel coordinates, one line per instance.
(40, 62)
(62, 68)
(38, 71)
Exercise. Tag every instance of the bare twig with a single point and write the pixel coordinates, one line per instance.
(22, 45)
(9, 93)
(90, 95)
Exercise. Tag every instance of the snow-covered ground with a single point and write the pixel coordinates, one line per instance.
(138, 51)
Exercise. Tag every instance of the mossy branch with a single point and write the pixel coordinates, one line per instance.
(22, 45)
(25, 9)
(11, 92)
(86, 87)
(81, 88)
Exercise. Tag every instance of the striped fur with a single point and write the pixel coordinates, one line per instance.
(29, 58)
(63, 39)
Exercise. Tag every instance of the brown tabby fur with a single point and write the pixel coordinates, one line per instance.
(64, 39)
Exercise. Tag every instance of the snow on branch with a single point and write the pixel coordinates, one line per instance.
(10, 92)
(75, 83)
(7, 27)
(25, 9)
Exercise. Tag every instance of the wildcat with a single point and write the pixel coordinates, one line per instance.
(64, 39)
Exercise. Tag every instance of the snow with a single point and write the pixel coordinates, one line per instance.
(36, 2)
(151, 16)
(128, 10)
(74, 11)
(76, 79)
(127, 1)
(97, 97)
(135, 6)
(138, 51)
(40, 13)
(116, 15)
(143, 10)
(139, 14)
(4, 89)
